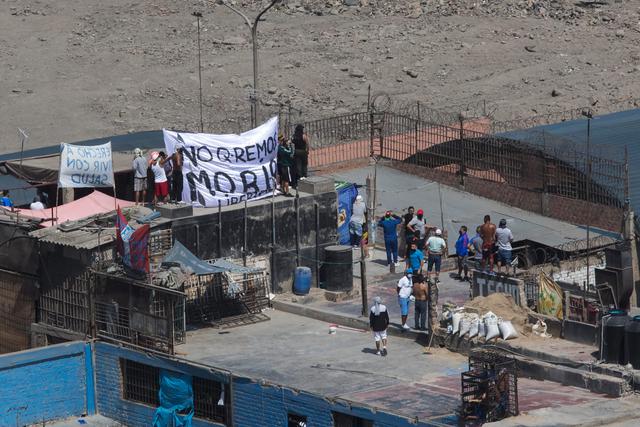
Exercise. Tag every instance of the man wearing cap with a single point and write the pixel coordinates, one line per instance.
(405, 290)
(140, 167)
(436, 247)
(504, 237)
(418, 225)
(389, 223)
(379, 321)
(358, 212)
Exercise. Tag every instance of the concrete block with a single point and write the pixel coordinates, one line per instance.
(174, 210)
(337, 296)
(317, 185)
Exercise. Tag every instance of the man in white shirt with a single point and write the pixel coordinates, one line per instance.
(405, 289)
(418, 224)
(504, 237)
(436, 247)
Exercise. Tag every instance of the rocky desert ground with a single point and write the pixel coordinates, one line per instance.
(74, 70)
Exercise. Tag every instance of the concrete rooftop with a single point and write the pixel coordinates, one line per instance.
(397, 190)
(299, 352)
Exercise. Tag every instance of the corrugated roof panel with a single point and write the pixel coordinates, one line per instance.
(610, 134)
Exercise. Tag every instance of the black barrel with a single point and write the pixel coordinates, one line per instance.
(613, 337)
(337, 268)
(632, 342)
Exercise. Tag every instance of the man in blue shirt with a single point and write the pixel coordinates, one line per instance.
(415, 259)
(5, 200)
(462, 252)
(389, 223)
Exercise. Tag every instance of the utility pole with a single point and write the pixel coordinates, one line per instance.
(253, 27)
(23, 139)
(589, 116)
(198, 15)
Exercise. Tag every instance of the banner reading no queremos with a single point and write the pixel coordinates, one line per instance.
(226, 169)
(86, 166)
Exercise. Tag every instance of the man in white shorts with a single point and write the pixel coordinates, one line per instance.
(379, 321)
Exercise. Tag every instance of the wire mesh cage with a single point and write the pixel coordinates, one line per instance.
(490, 387)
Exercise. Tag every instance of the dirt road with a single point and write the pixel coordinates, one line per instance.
(75, 70)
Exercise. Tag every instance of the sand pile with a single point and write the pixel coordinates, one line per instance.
(502, 305)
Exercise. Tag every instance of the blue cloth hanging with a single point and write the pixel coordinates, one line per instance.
(176, 400)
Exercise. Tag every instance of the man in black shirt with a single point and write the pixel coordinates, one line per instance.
(379, 321)
(408, 233)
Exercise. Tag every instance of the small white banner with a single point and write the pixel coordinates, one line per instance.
(226, 169)
(86, 166)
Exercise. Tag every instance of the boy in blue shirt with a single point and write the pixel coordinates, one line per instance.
(389, 223)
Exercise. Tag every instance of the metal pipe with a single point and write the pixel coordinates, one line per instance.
(219, 229)
(589, 116)
(198, 15)
(244, 236)
(317, 261)
(297, 207)
(253, 26)
(273, 237)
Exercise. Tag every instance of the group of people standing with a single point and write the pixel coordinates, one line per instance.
(167, 176)
(293, 159)
(423, 241)
(410, 288)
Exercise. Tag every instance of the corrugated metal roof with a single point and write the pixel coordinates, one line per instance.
(610, 134)
(144, 140)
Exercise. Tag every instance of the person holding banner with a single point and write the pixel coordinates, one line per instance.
(285, 163)
(161, 188)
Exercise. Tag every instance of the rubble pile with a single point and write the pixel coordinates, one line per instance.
(564, 10)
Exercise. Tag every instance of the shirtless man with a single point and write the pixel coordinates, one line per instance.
(488, 234)
(420, 292)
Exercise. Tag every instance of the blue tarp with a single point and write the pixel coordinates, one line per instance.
(346, 197)
(176, 397)
(183, 256)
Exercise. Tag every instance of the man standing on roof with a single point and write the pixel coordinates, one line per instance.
(408, 234)
(379, 322)
(358, 215)
(462, 253)
(300, 142)
(488, 234)
(161, 188)
(285, 165)
(415, 259)
(418, 226)
(176, 188)
(421, 294)
(389, 223)
(504, 237)
(405, 291)
(436, 248)
(140, 167)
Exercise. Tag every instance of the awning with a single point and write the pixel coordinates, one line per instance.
(181, 255)
(93, 204)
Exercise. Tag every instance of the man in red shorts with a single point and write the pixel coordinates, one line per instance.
(488, 234)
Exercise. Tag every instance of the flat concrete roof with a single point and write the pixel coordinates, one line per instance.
(397, 191)
(299, 353)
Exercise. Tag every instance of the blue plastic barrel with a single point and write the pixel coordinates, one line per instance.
(302, 281)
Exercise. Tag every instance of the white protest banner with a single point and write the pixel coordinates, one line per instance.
(226, 169)
(86, 166)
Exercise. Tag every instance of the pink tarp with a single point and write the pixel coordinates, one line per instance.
(94, 203)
